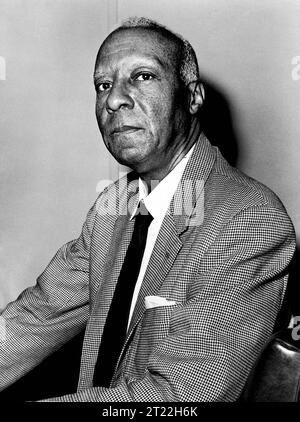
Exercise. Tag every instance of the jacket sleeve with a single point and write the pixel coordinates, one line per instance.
(47, 315)
(215, 337)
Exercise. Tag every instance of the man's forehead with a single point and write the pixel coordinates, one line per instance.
(138, 41)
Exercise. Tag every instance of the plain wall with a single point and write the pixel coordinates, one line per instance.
(51, 152)
(52, 155)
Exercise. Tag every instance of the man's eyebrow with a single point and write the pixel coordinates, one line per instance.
(154, 57)
(98, 75)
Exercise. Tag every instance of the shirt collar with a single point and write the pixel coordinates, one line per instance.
(158, 200)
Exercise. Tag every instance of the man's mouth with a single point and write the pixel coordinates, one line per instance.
(125, 129)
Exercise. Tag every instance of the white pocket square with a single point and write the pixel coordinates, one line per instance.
(155, 301)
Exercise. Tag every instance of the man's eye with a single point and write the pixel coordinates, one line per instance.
(144, 77)
(104, 86)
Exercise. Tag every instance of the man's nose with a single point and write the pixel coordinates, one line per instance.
(118, 97)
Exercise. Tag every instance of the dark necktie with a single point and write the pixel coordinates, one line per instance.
(115, 328)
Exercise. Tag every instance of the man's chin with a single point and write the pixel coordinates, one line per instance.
(132, 160)
(132, 164)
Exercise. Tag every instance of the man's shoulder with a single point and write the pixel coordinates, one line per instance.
(224, 184)
(238, 190)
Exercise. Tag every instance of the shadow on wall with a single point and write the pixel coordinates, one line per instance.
(217, 124)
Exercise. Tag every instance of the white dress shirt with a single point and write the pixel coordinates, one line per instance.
(157, 203)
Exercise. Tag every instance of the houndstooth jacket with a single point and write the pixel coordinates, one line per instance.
(222, 258)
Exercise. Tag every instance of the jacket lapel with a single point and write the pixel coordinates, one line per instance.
(167, 246)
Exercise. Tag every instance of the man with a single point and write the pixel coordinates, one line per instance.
(212, 277)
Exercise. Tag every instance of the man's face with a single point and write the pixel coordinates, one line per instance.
(138, 109)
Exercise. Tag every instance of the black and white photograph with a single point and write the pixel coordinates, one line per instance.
(150, 203)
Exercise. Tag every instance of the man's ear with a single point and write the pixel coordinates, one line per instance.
(196, 96)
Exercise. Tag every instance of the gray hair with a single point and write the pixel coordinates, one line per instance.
(188, 66)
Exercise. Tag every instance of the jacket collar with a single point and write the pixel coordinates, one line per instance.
(183, 207)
